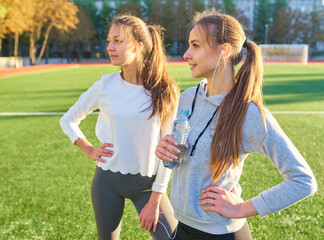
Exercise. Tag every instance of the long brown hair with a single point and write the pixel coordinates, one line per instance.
(151, 67)
(227, 140)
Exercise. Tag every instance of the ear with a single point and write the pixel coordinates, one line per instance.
(226, 48)
(138, 47)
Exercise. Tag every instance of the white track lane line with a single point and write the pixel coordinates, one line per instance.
(61, 113)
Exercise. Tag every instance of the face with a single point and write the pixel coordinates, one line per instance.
(119, 48)
(200, 56)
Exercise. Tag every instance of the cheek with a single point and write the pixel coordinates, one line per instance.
(210, 62)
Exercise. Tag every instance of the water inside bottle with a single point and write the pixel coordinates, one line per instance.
(176, 162)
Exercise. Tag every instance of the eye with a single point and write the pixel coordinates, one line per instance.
(107, 42)
(195, 45)
(117, 41)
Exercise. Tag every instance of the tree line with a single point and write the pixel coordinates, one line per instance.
(77, 29)
(277, 23)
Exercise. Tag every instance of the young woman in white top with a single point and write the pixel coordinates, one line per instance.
(137, 107)
(228, 121)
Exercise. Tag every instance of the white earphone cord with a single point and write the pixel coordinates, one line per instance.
(166, 230)
(217, 64)
(211, 87)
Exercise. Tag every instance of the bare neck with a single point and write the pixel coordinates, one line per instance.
(223, 81)
(129, 74)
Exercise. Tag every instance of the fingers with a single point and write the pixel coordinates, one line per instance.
(166, 148)
(211, 208)
(101, 151)
(210, 201)
(210, 195)
(100, 160)
(170, 144)
(164, 154)
(155, 225)
(107, 145)
(105, 152)
(100, 154)
(147, 224)
(214, 189)
(170, 139)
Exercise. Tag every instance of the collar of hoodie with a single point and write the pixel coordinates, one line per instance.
(215, 99)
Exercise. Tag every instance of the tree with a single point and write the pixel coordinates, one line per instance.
(261, 21)
(169, 17)
(90, 7)
(316, 30)
(229, 7)
(131, 6)
(82, 35)
(196, 5)
(240, 16)
(3, 20)
(215, 4)
(154, 11)
(59, 14)
(278, 5)
(182, 24)
(290, 26)
(19, 20)
(103, 17)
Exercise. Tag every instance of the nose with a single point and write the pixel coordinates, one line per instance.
(187, 55)
(110, 47)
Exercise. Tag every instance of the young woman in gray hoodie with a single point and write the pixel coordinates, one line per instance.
(228, 121)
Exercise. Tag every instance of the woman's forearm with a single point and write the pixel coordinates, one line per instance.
(155, 198)
(84, 145)
(247, 209)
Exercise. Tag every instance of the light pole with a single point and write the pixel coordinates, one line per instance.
(266, 26)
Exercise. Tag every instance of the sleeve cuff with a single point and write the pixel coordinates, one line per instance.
(260, 206)
(156, 187)
(75, 137)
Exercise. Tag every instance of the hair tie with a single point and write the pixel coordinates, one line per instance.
(244, 44)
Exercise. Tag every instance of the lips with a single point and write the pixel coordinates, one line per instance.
(192, 66)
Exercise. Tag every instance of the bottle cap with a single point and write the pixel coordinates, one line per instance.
(185, 111)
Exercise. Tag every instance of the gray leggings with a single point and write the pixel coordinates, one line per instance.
(109, 191)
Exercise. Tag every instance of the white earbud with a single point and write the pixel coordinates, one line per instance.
(222, 52)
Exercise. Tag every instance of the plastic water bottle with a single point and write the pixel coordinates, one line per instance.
(180, 130)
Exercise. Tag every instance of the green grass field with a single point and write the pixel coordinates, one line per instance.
(45, 180)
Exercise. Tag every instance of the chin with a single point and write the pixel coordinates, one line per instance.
(115, 63)
(196, 75)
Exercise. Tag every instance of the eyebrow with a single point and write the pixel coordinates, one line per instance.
(192, 41)
(116, 36)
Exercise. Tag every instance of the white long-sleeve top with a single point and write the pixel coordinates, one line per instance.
(122, 121)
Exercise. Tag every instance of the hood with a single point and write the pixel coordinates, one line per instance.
(215, 99)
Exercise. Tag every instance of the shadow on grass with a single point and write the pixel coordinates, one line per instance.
(297, 76)
(294, 91)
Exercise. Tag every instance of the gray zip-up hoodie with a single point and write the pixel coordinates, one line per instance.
(194, 175)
